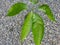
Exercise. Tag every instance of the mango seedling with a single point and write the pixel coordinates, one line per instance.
(32, 21)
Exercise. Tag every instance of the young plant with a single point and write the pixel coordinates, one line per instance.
(32, 21)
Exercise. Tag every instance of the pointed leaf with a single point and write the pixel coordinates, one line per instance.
(34, 1)
(26, 26)
(47, 11)
(16, 8)
(37, 29)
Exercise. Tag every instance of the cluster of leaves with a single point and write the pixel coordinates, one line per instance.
(32, 21)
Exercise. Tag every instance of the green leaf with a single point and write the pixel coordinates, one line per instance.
(26, 26)
(16, 8)
(34, 1)
(48, 11)
(37, 28)
(35, 22)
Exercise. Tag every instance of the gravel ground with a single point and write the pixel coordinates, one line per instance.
(10, 27)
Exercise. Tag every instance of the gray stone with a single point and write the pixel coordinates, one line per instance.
(10, 27)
